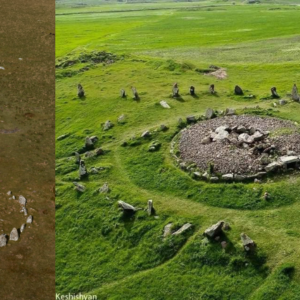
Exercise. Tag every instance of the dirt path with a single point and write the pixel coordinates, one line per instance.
(27, 146)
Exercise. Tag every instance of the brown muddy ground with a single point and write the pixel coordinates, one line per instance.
(27, 147)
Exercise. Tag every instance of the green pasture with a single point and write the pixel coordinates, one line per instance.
(98, 250)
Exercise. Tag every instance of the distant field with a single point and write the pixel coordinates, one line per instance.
(155, 45)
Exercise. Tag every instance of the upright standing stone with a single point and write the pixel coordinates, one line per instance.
(274, 92)
(135, 93)
(150, 208)
(238, 91)
(77, 158)
(248, 243)
(80, 91)
(212, 89)
(175, 90)
(123, 94)
(29, 219)
(82, 170)
(192, 91)
(209, 114)
(22, 228)
(14, 235)
(89, 143)
(3, 240)
(295, 95)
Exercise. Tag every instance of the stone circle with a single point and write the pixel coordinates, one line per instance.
(240, 146)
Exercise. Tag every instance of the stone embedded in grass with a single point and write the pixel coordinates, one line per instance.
(163, 127)
(126, 207)
(154, 146)
(182, 229)
(191, 119)
(22, 227)
(248, 243)
(214, 230)
(79, 187)
(9, 193)
(122, 119)
(238, 91)
(82, 170)
(89, 143)
(104, 189)
(62, 137)
(14, 235)
(108, 125)
(209, 114)
(77, 158)
(146, 134)
(29, 219)
(167, 230)
(3, 240)
(295, 94)
(282, 102)
(80, 91)
(150, 208)
(135, 93)
(175, 91)
(212, 89)
(192, 91)
(123, 93)
(22, 200)
(164, 104)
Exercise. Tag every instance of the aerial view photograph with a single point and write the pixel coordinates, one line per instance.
(177, 150)
(27, 145)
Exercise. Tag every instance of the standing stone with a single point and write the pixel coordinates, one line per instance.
(3, 240)
(191, 119)
(168, 229)
(122, 119)
(230, 112)
(29, 219)
(107, 125)
(80, 91)
(9, 193)
(214, 230)
(14, 235)
(22, 200)
(247, 242)
(104, 189)
(238, 91)
(150, 208)
(89, 143)
(274, 92)
(22, 227)
(175, 91)
(77, 158)
(192, 91)
(212, 89)
(135, 93)
(209, 114)
(295, 95)
(123, 93)
(82, 170)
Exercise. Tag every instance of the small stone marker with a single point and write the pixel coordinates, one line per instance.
(14, 235)
(212, 89)
(82, 170)
(295, 95)
(135, 93)
(164, 104)
(214, 230)
(274, 92)
(126, 207)
(209, 114)
(175, 91)
(79, 187)
(238, 91)
(192, 91)
(123, 93)
(80, 91)
(22, 200)
(3, 240)
(247, 242)
(168, 229)
(182, 229)
(89, 143)
(22, 227)
(29, 219)
(107, 125)
(77, 158)
(104, 189)
(150, 208)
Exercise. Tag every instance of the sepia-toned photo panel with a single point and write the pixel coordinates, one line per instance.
(27, 147)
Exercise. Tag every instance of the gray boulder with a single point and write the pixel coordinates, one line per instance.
(182, 229)
(14, 235)
(214, 230)
(209, 114)
(248, 243)
(3, 240)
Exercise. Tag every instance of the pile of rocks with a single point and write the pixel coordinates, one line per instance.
(240, 147)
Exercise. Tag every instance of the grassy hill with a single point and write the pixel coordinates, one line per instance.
(108, 47)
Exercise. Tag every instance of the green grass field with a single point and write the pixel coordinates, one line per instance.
(98, 251)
